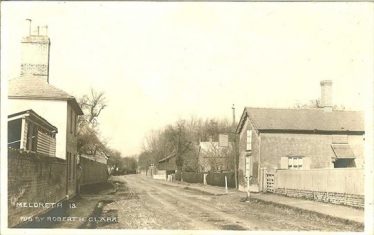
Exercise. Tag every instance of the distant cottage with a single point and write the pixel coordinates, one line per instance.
(214, 157)
(298, 139)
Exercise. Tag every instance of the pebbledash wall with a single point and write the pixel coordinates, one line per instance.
(254, 158)
(316, 147)
(93, 172)
(34, 182)
(268, 148)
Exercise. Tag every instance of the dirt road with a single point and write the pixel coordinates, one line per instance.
(144, 203)
(138, 202)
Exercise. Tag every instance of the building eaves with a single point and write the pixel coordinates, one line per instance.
(302, 120)
(34, 116)
(30, 87)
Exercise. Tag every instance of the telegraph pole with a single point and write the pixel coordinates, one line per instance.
(233, 116)
(235, 146)
(29, 20)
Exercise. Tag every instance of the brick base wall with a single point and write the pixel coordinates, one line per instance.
(33, 178)
(93, 172)
(330, 197)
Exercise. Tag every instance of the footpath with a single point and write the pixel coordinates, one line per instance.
(325, 209)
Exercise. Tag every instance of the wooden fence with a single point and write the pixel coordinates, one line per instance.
(341, 180)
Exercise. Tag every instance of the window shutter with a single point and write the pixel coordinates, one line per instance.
(284, 163)
(249, 139)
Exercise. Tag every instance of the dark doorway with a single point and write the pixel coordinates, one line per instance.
(344, 163)
(14, 133)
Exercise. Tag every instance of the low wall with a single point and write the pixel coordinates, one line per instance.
(34, 182)
(93, 172)
(215, 179)
(218, 179)
(161, 175)
(192, 177)
(339, 186)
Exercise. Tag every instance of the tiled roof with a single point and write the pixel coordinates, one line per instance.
(35, 87)
(30, 87)
(303, 120)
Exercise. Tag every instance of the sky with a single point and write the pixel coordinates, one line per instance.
(158, 62)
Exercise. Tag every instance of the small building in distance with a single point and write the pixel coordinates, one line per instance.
(168, 164)
(214, 157)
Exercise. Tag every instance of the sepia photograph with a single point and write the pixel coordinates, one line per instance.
(186, 117)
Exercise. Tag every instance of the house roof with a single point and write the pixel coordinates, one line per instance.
(271, 119)
(98, 157)
(173, 154)
(34, 116)
(30, 87)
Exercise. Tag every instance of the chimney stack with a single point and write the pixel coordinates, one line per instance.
(326, 95)
(35, 53)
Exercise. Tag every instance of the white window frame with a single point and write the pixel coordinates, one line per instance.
(295, 162)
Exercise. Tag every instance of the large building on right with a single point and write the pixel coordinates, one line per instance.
(272, 139)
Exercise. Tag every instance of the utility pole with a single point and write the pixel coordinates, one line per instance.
(29, 20)
(233, 116)
(235, 146)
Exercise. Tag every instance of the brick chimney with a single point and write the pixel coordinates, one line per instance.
(35, 53)
(326, 95)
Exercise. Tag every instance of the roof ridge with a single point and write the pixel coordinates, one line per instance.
(304, 109)
(304, 119)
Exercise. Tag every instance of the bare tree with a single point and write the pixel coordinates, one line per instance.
(315, 104)
(92, 105)
(89, 141)
(311, 104)
(218, 158)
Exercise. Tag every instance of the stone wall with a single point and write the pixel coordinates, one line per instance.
(330, 197)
